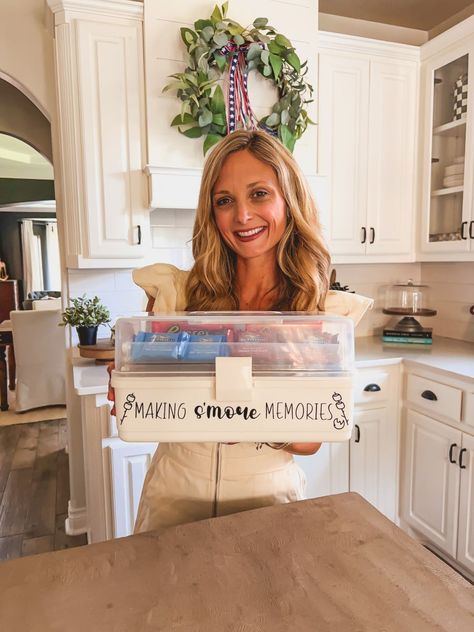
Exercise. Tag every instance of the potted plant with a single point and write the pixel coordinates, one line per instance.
(86, 314)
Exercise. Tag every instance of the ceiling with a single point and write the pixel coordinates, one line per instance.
(20, 160)
(415, 14)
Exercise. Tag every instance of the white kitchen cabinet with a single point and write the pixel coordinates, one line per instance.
(438, 486)
(101, 136)
(368, 464)
(465, 548)
(129, 463)
(327, 471)
(431, 491)
(447, 165)
(368, 100)
(374, 459)
(375, 439)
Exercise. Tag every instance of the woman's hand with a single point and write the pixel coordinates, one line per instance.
(111, 392)
(303, 449)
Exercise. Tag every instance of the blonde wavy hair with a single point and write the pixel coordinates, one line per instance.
(303, 259)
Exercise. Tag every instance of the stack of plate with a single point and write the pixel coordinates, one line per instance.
(454, 174)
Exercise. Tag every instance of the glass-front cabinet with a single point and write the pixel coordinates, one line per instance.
(447, 169)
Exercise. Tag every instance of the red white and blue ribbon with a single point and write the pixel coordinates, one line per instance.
(239, 111)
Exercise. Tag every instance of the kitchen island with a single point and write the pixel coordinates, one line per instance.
(329, 564)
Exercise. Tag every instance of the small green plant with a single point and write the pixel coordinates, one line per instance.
(86, 312)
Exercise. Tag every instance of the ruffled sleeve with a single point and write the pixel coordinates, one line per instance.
(165, 283)
(347, 304)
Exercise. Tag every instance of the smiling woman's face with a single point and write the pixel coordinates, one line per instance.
(249, 207)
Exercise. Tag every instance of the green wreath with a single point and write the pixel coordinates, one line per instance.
(211, 47)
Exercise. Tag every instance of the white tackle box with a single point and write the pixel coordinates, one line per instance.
(234, 376)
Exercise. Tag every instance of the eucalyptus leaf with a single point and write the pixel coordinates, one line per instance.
(267, 71)
(274, 48)
(205, 118)
(192, 132)
(209, 141)
(252, 65)
(220, 39)
(273, 120)
(284, 117)
(207, 33)
(253, 51)
(265, 56)
(276, 64)
(286, 137)
(216, 15)
(221, 61)
(199, 25)
(218, 119)
(283, 41)
(260, 22)
(184, 119)
(217, 102)
(294, 61)
(238, 39)
(187, 35)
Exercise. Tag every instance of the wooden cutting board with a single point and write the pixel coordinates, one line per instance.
(102, 352)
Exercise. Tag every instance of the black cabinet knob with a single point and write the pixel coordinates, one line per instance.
(372, 388)
(429, 395)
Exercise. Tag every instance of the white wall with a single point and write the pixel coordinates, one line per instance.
(26, 51)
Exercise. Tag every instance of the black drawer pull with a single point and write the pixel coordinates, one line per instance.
(364, 235)
(357, 429)
(372, 235)
(463, 224)
(451, 448)
(429, 395)
(139, 235)
(372, 388)
(471, 229)
(461, 452)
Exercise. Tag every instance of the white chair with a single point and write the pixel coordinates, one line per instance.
(40, 354)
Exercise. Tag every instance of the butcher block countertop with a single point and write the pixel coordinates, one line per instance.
(329, 564)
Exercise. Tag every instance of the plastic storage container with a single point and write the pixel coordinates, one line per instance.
(234, 376)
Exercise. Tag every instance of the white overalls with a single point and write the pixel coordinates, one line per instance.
(193, 481)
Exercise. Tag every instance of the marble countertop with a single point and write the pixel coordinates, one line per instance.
(451, 356)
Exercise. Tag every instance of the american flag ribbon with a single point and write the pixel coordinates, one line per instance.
(238, 102)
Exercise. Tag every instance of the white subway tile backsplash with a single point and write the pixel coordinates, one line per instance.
(165, 237)
(163, 217)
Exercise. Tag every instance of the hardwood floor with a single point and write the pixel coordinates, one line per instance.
(34, 489)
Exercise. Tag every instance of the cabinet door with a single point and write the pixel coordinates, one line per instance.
(391, 201)
(373, 458)
(466, 505)
(343, 119)
(431, 480)
(129, 463)
(327, 471)
(447, 168)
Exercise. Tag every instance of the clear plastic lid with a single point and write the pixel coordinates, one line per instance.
(277, 342)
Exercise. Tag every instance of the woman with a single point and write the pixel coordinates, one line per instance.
(257, 246)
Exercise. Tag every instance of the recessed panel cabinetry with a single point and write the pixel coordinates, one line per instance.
(437, 488)
(447, 226)
(101, 137)
(368, 101)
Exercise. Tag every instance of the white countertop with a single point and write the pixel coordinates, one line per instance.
(454, 357)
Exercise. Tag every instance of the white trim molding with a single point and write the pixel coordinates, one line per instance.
(67, 10)
(354, 44)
